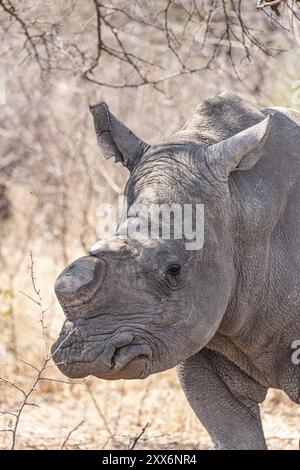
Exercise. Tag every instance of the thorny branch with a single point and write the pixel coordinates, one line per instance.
(27, 394)
(138, 436)
(70, 434)
(184, 36)
(272, 4)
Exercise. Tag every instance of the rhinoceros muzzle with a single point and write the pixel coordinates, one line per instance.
(121, 355)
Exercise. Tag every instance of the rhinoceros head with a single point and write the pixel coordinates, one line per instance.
(140, 304)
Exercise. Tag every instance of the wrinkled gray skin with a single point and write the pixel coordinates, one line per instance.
(229, 317)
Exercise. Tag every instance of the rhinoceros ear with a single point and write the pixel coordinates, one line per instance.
(239, 152)
(115, 139)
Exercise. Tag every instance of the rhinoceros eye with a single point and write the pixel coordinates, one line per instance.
(174, 270)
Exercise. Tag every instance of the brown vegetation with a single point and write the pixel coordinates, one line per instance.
(153, 62)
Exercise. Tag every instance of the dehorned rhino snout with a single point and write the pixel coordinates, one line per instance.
(80, 281)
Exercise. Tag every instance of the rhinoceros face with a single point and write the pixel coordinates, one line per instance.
(139, 305)
(131, 311)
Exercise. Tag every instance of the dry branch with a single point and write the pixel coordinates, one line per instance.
(124, 34)
(70, 434)
(27, 394)
(138, 437)
(263, 5)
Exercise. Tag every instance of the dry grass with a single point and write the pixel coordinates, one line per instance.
(127, 408)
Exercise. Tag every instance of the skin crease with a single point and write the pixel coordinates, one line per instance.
(229, 317)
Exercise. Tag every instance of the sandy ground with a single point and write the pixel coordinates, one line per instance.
(117, 412)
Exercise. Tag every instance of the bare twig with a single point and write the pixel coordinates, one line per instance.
(70, 434)
(137, 438)
(27, 394)
(111, 33)
(273, 3)
(98, 409)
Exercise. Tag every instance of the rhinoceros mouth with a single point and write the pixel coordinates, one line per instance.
(131, 361)
(136, 368)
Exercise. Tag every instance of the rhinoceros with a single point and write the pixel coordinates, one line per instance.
(226, 314)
